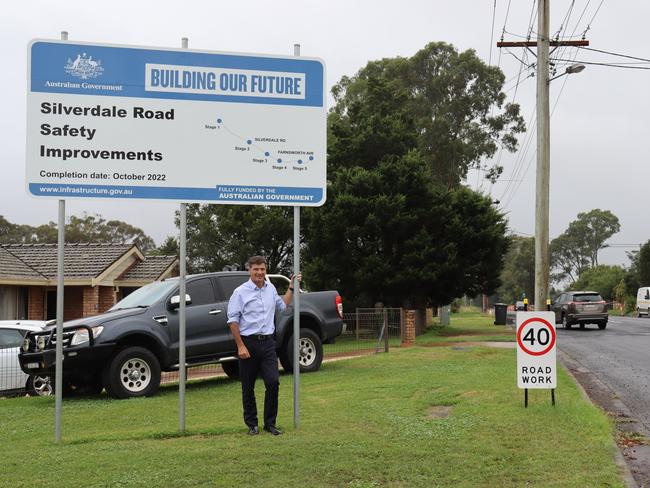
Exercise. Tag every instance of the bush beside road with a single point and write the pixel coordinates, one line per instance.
(420, 416)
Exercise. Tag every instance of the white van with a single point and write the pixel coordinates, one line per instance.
(643, 301)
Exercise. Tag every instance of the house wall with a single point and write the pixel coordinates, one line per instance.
(107, 298)
(78, 301)
(36, 303)
(73, 302)
(90, 301)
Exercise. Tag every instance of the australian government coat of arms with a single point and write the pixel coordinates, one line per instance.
(84, 67)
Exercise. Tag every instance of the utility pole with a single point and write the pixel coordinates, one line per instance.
(542, 255)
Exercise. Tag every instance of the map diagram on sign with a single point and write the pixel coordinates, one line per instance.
(264, 150)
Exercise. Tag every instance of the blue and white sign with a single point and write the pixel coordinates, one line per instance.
(109, 121)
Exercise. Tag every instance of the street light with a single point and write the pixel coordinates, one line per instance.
(574, 68)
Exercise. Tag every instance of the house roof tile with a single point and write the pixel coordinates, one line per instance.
(81, 260)
(12, 267)
(149, 269)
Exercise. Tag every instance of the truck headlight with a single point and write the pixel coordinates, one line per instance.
(26, 344)
(81, 335)
(40, 342)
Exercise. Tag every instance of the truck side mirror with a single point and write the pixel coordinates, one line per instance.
(175, 301)
(647, 294)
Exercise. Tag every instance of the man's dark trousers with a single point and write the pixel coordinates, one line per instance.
(263, 361)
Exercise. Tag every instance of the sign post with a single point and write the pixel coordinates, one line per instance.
(536, 352)
(127, 122)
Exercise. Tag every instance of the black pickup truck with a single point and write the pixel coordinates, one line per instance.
(125, 349)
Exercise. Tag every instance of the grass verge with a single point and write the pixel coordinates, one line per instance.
(374, 421)
(468, 325)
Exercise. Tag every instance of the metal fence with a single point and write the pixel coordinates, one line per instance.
(367, 331)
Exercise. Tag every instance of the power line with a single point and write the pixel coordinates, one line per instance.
(592, 18)
(565, 22)
(581, 16)
(615, 54)
(506, 19)
(566, 25)
(519, 163)
(494, 13)
(610, 65)
(523, 150)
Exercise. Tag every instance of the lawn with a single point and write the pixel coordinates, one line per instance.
(468, 325)
(419, 416)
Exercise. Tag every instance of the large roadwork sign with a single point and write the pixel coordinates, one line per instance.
(536, 350)
(109, 121)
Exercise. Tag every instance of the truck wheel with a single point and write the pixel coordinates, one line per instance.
(231, 368)
(39, 385)
(133, 372)
(602, 325)
(310, 352)
(565, 322)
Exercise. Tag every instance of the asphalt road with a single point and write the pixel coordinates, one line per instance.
(618, 356)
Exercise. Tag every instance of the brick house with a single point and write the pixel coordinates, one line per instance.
(96, 277)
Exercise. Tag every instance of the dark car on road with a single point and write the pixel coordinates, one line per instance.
(581, 308)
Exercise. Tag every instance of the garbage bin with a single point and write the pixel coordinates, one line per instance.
(500, 313)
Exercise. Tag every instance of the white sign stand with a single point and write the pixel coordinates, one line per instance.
(536, 352)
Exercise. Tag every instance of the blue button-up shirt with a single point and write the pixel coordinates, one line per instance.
(254, 308)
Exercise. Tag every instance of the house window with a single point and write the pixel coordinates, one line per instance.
(13, 303)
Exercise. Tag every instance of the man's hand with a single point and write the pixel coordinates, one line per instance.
(242, 352)
(293, 276)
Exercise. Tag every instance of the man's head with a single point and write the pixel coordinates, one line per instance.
(257, 270)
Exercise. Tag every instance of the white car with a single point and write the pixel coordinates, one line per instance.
(12, 379)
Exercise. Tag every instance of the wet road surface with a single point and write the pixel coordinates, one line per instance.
(613, 366)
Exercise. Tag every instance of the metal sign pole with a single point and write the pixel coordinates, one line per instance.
(296, 303)
(58, 375)
(181, 322)
(181, 310)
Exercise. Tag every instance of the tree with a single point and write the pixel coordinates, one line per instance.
(168, 248)
(389, 234)
(603, 278)
(227, 235)
(398, 226)
(446, 105)
(567, 258)
(644, 264)
(518, 275)
(89, 228)
(577, 248)
(14, 233)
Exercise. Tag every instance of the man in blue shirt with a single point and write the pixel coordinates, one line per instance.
(251, 313)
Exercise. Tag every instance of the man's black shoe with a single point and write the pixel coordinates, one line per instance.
(253, 430)
(272, 429)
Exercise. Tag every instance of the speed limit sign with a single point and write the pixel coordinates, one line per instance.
(536, 343)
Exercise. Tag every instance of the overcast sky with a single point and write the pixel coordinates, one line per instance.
(599, 127)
